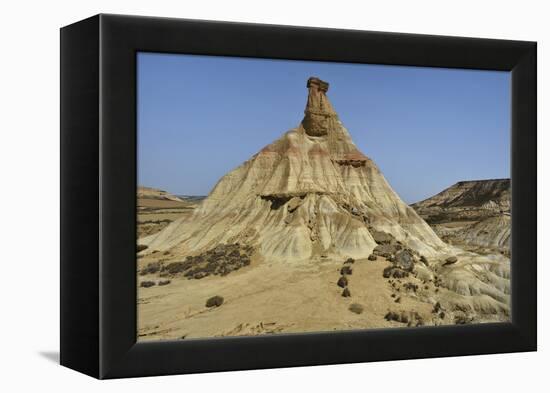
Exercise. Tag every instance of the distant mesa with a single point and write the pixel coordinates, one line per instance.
(473, 213)
(155, 193)
(491, 194)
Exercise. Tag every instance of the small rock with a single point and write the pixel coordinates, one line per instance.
(164, 282)
(372, 257)
(398, 300)
(392, 316)
(141, 247)
(356, 308)
(346, 270)
(214, 301)
(450, 261)
(349, 261)
(147, 284)
(346, 292)
(423, 259)
(342, 282)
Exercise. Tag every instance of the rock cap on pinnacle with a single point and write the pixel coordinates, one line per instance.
(319, 110)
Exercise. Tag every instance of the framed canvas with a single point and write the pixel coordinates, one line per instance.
(217, 213)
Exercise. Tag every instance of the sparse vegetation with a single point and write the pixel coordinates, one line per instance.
(219, 261)
(151, 268)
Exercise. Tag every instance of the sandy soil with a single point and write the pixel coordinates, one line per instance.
(266, 298)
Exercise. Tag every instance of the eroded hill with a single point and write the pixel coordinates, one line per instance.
(474, 214)
(158, 208)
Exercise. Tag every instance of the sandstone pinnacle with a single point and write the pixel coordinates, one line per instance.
(319, 113)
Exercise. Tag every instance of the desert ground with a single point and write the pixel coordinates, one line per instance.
(284, 298)
(307, 235)
(157, 209)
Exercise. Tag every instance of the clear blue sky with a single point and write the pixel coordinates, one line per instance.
(426, 128)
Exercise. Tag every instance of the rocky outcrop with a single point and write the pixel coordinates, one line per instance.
(471, 213)
(319, 114)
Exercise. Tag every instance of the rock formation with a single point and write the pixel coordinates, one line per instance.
(311, 193)
(473, 213)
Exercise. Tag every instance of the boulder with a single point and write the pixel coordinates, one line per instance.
(356, 308)
(342, 282)
(451, 260)
(405, 260)
(141, 247)
(392, 316)
(385, 250)
(372, 257)
(382, 237)
(346, 270)
(214, 301)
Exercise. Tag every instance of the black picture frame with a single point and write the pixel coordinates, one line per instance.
(98, 195)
